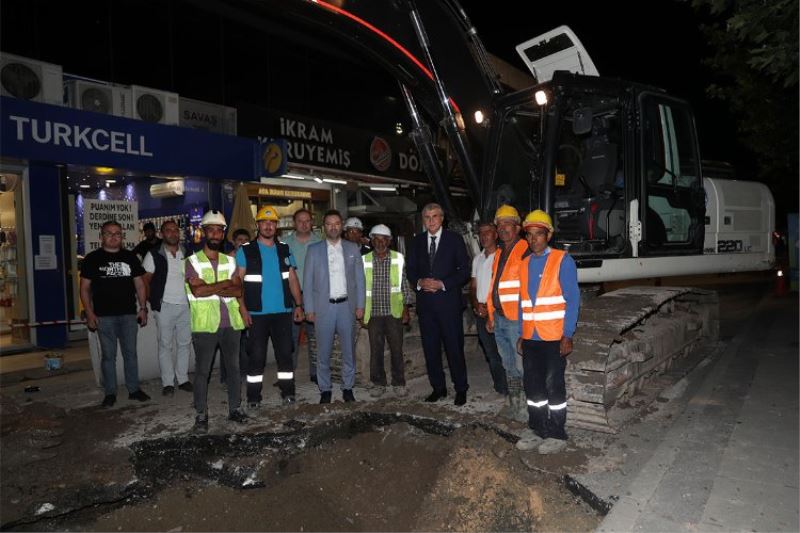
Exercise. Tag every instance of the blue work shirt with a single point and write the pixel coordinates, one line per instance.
(299, 250)
(271, 280)
(568, 278)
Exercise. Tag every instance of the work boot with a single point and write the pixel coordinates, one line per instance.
(348, 396)
(109, 400)
(200, 424)
(169, 390)
(186, 386)
(325, 397)
(529, 440)
(138, 395)
(238, 416)
(551, 446)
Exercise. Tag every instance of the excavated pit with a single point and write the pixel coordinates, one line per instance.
(362, 471)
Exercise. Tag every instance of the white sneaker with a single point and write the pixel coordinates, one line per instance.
(377, 391)
(528, 440)
(400, 391)
(551, 446)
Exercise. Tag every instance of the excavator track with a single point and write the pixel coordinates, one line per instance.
(628, 336)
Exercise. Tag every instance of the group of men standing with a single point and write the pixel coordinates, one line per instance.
(326, 287)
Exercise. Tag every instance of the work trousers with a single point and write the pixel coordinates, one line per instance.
(205, 344)
(545, 388)
(382, 329)
(173, 322)
(311, 343)
(492, 356)
(278, 328)
(336, 320)
(122, 328)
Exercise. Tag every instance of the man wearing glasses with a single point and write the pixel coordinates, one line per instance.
(112, 285)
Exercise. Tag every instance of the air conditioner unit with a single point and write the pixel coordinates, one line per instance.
(153, 105)
(168, 189)
(98, 97)
(30, 79)
(206, 116)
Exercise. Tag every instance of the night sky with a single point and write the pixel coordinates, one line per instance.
(183, 45)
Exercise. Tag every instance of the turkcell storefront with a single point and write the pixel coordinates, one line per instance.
(64, 172)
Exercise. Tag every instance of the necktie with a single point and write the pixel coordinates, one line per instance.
(432, 252)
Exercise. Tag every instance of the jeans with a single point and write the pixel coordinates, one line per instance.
(506, 333)
(381, 329)
(173, 322)
(545, 388)
(122, 328)
(205, 344)
(489, 345)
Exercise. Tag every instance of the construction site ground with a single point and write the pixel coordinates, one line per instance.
(399, 464)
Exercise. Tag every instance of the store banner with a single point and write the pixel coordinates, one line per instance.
(43, 132)
(97, 212)
(335, 146)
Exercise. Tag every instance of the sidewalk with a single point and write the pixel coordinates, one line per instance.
(730, 462)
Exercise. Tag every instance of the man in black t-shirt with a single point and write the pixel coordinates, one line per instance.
(111, 285)
(150, 241)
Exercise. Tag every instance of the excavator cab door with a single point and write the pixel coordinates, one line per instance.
(672, 210)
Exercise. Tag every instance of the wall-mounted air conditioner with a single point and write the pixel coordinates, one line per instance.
(98, 97)
(154, 105)
(206, 116)
(30, 79)
(168, 189)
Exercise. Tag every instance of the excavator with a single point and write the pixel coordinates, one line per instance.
(616, 164)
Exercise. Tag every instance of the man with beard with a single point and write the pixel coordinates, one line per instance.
(213, 288)
(151, 240)
(333, 284)
(271, 298)
(167, 295)
(111, 284)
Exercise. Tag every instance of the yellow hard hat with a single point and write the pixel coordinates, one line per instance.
(538, 218)
(267, 212)
(506, 211)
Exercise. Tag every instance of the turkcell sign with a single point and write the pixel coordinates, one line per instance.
(43, 132)
(73, 136)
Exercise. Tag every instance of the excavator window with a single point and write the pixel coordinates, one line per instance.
(672, 215)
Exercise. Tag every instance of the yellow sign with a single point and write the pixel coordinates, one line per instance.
(561, 179)
(284, 193)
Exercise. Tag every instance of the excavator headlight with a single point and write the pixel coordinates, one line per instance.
(541, 97)
(479, 118)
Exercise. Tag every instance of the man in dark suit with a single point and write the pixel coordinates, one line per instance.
(438, 266)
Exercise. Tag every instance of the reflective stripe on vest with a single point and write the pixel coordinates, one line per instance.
(205, 310)
(546, 314)
(509, 284)
(395, 284)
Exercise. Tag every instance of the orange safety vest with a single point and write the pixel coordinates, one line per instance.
(546, 314)
(508, 288)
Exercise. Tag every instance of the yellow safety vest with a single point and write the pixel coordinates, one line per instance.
(205, 310)
(395, 284)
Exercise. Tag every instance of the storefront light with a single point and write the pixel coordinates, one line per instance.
(318, 180)
(386, 188)
(294, 176)
(85, 186)
(331, 180)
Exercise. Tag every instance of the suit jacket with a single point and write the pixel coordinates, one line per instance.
(451, 265)
(316, 283)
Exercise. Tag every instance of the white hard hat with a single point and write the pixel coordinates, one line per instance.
(213, 217)
(353, 222)
(380, 229)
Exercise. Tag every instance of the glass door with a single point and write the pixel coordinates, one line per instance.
(14, 317)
